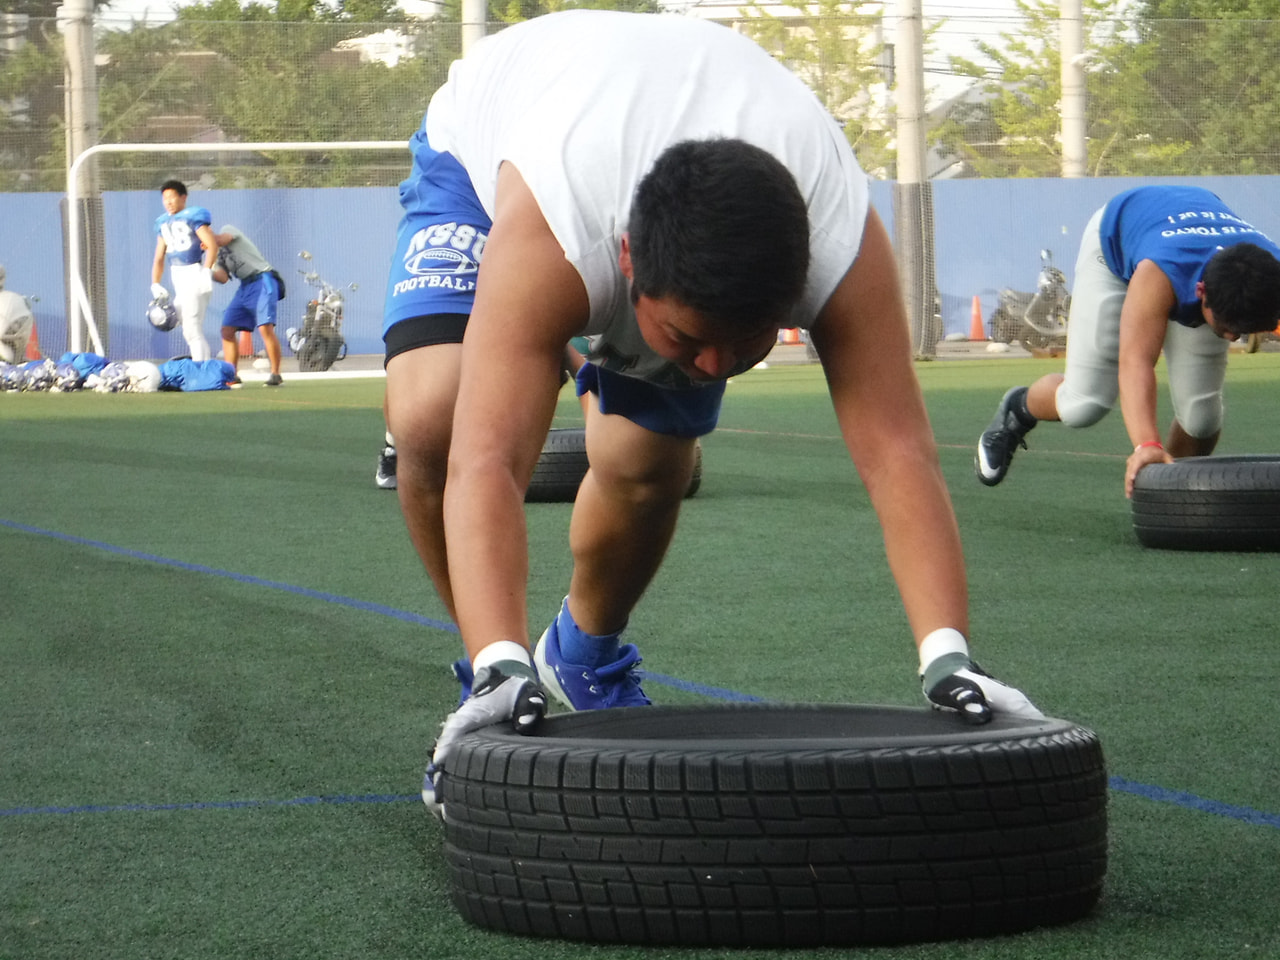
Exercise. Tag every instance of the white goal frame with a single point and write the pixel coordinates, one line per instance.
(81, 313)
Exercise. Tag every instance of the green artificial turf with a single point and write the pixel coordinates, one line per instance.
(221, 665)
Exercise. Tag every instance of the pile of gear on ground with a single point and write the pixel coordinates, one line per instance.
(90, 371)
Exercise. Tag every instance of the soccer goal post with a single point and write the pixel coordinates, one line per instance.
(86, 328)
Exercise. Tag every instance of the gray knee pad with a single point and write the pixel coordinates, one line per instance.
(1201, 418)
(1078, 411)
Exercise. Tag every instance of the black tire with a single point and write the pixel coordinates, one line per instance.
(1209, 503)
(563, 463)
(791, 825)
(1004, 328)
(319, 351)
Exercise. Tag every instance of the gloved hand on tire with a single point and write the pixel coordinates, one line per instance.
(503, 692)
(954, 683)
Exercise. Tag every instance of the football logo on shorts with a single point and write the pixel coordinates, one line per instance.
(445, 256)
(438, 260)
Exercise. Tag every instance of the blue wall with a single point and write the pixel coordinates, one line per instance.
(988, 234)
(349, 232)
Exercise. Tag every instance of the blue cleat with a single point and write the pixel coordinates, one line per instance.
(462, 670)
(580, 687)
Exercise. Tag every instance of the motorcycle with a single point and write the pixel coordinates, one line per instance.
(17, 323)
(1036, 320)
(319, 343)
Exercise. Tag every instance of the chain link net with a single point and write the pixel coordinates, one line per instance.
(1165, 97)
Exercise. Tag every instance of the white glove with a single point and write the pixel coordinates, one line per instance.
(965, 688)
(504, 691)
(204, 280)
(158, 292)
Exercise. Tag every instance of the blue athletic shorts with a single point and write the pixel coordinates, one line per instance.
(431, 291)
(254, 303)
(439, 243)
(675, 413)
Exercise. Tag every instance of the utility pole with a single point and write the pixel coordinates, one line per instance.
(913, 199)
(1075, 149)
(475, 15)
(75, 20)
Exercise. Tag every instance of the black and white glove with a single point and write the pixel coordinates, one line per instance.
(504, 691)
(955, 684)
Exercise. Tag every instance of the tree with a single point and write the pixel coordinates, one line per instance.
(291, 72)
(835, 49)
(1184, 87)
(32, 134)
(1214, 82)
(1012, 129)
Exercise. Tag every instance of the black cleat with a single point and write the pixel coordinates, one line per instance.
(1003, 436)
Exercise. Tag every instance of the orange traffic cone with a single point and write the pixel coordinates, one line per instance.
(33, 345)
(244, 346)
(976, 329)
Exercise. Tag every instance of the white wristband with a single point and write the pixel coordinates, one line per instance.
(942, 641)
(501, 650)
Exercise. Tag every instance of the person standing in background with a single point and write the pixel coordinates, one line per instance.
(185, 239)
(254, 302)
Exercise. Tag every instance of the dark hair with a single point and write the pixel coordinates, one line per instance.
(177, 186)
(720, 225)
(1242, 288)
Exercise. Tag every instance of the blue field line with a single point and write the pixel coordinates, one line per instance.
(364, 605)
(1190, 801)
(1120, 784)
(337, 800)
(688, 686)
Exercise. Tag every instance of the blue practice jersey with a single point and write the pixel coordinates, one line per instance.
(187, 374)
(1179, 229)
(178, 231)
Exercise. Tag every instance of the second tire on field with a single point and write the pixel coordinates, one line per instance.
(563, 464)
(1209, 503)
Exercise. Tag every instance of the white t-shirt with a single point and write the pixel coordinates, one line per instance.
(583, 102)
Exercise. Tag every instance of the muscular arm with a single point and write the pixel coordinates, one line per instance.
(210, 243)
(1144, 319)
(529, 302)
(864, 343)
(220, 274)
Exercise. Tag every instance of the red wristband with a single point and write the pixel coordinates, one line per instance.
(1148, 443)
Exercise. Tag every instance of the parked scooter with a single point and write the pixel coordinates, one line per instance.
(17, 320)
(319, 344)
(1036, 320)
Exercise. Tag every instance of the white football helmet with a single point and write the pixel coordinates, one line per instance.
(144, 376)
